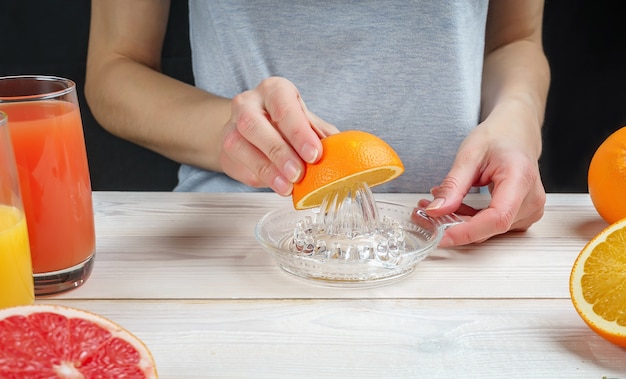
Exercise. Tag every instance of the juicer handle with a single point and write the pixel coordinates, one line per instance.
(443, 222)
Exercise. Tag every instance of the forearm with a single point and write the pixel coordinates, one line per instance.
(160, 113)
(515, 83)
(132, 99)
(516, 74)
(519, 71)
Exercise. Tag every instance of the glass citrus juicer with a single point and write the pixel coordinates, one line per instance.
(351, 239)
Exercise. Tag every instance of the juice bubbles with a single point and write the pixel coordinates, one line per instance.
(16, 278)
(52, 166)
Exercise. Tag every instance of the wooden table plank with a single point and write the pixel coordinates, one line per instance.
(184, 272)
(365, 338)
(203, 246)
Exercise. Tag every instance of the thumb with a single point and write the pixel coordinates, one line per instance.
(448, 196)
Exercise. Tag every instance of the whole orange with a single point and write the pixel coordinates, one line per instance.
(606, 178)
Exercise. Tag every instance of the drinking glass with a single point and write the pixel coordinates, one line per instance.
(16, 275)
(49, 146)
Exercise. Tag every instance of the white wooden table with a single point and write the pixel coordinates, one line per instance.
(184, 273)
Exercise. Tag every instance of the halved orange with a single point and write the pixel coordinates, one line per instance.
(598, 283)
(51, 341)
(348, 158)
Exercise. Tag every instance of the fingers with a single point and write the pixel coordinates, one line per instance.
(462, 210)
(448, 196)
(321, 127)
(259, 145)
(249, 165)
(517, 195)
(270, 136)
(286, 113)
(517, 202)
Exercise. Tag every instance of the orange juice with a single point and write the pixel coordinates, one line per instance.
(49, 149)
(16, 276)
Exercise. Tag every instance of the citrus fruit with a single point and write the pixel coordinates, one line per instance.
(50, 341)
(598, 283)
(607, 177)
(348, 157)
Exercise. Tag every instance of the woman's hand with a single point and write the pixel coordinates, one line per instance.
(270, 135)
(500, 153)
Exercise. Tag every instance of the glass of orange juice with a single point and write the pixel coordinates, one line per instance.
(49, 147)
(16, 274)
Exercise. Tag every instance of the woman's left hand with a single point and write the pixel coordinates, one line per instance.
(501, 153)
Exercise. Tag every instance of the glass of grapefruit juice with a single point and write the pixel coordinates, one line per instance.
(16, 274)
(49, 147)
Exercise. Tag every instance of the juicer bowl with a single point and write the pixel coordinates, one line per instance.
(349, 259)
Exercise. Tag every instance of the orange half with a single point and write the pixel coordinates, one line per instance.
(598, 283)
(348, 158)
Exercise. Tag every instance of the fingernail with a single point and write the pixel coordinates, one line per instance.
(282, 186)
(309, 153)
(435, 204)
(446, 242)
(292, 171)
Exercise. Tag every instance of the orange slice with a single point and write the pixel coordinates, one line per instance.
(348, 158)
(598, 283)
(49, 341)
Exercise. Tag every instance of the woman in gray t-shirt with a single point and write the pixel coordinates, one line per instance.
(457, 88)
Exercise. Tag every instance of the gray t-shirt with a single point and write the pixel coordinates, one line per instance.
(407, 71)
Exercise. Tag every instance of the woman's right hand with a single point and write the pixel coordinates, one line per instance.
(270, 135)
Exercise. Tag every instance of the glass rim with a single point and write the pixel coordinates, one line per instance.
(69, 86)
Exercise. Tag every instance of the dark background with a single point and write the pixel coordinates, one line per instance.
(585, 42)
